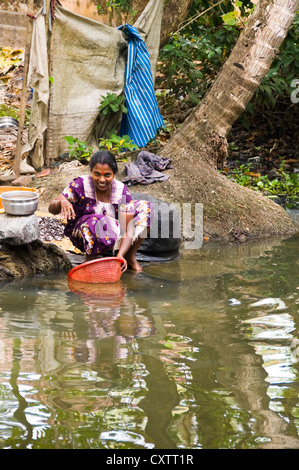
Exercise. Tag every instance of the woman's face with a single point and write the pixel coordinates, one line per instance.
(102, 175)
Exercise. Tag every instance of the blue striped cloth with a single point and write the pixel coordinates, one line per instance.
(143, 119)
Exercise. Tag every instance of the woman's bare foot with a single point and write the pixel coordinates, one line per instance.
(130, 256)
(133, 264)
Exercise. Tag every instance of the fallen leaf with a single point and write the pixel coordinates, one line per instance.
(254, 175)
(43, 173)
(291, 160)
(66, 245)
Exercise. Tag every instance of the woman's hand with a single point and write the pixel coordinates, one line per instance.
(67, 210)
(124, 266)
(60, 205)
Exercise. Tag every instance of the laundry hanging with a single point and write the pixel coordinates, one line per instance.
(88, 62)
(143, 118)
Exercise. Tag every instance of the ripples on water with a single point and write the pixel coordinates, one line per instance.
(201, 352)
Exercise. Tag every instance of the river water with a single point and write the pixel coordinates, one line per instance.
(197, 353)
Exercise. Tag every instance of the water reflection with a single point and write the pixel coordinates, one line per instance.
(201, 352)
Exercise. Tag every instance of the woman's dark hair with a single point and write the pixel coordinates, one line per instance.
(101, 157)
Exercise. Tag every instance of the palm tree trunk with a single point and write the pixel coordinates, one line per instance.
(175, 12)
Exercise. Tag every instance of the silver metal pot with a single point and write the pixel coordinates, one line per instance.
(8, 121)
(20, 202)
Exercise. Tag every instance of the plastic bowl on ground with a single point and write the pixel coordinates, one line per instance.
(102, 270)
(20, 202)
(5, 189)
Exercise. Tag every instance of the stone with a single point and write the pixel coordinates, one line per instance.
(18, 230)
(167, 242)
(36, 258)
(7, 178)
(25, 168)
(22, 180)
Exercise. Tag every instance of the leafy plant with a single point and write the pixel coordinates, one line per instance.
(191, 59)
(125, 6)
(13, 111)
(189, 63)
(195, 53)
(112, 103)
(241, 175)
(78, 149)
(238, 15)
(117, 144)
(284, 184)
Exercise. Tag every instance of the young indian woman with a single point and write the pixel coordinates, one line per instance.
(102, 218)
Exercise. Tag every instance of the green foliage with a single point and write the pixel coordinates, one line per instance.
(191, 60)
(284, 184)
(239, 14)
(112, 103)
(13, 111)
(192, 57)
(116, 144)
(231, 18)
(78, 149)
(125, 6)
(241, 175)
(190, 63)
(203, 13)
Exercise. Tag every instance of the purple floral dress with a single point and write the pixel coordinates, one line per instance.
(96, 229)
